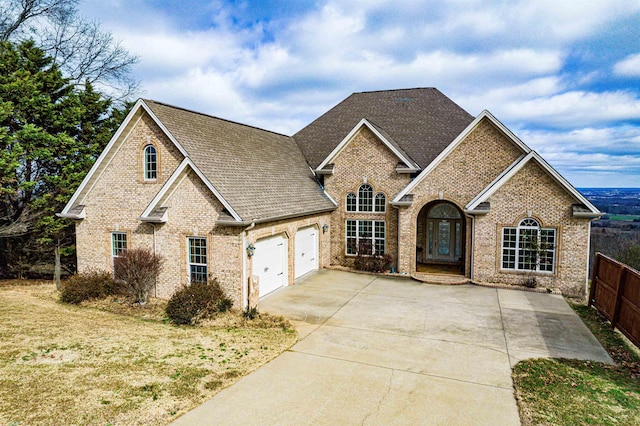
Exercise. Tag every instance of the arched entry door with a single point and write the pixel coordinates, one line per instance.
(444, 233)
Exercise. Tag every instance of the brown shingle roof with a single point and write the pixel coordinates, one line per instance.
(421, 122)
(261, 174)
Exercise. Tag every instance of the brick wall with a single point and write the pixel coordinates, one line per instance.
(288, 228)
(119, 197)
(464, 173)
(121, 194)
(475, 163)
(364, 157)
(533, 193)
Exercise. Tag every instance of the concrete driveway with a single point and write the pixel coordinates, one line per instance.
(377, 350)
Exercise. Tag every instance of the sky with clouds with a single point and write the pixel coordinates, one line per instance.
(564, 75)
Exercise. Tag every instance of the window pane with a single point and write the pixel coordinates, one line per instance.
(150, 162)
(380, 203)
(529, 222)
(379, 237)
(509, 238)
(365, 229)
(352, 241)
(198, 274)
(365, 198)
(197, 259)
(118, 243)
(351, 202)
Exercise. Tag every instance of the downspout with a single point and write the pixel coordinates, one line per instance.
(472, 254)
(154, 255)
(586, 281)
(398, 235)
(245, 281)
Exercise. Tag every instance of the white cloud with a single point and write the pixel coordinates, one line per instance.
(629, 66)
(509, 57)
(575, 109)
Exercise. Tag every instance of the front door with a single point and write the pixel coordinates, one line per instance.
(443, 249)
(443, 239)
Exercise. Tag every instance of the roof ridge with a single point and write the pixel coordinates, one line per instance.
(396, 90)
(214, 117)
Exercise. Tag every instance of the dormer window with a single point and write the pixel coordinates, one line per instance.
(150, 163)
(365, 202)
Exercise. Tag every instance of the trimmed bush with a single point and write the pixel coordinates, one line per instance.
(137, 270)
(88, 285)
(367, 261)
(198, 301)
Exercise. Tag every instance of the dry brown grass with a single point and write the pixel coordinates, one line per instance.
(107, 362)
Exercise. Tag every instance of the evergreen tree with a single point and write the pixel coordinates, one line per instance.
(50, 134)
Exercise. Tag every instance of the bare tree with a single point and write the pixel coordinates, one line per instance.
(82, 51)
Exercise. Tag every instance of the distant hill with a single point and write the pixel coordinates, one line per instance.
(618, 203)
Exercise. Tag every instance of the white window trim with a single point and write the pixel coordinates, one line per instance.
(206, 258)
(374, 195)
(517, 249)
(373, 235)
(146, 163)
(113, 243)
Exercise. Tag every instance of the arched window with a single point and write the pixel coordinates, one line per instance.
(150, 163)
(381, 203)
(351, 202)
(365, 198)
(528, 247)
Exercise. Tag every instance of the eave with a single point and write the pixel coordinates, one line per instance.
(227, 222)
(397, 151)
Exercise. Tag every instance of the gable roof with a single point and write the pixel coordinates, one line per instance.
(484, 115)
(381, 134)
(479, 202)
(155, 212)
(256, 174)
(420, 122)
(514, 168)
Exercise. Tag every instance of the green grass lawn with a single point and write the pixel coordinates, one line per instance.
(622, 217)
(572, 392)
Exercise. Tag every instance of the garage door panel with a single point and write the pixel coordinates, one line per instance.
(269, 264)
(306, 256)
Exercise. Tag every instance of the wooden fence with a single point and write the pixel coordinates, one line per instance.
(615, 292)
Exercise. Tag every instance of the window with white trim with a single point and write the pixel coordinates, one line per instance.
(351, 202)
(118, 243)
(365, 198)
(365, 201)
(150, 163)
(366, 237)
(528, 247)
(380, 203)
(197, 260)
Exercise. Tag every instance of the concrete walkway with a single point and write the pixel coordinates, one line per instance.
(393, 351)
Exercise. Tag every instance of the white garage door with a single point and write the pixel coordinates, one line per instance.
(269, 263)
(306, 250)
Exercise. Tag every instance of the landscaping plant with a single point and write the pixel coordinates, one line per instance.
(196, 302)
(88, 285)
(137, 270)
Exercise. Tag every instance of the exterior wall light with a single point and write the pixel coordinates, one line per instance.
(250, 249)
(325, 228)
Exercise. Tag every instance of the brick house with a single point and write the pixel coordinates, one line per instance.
(403, 172)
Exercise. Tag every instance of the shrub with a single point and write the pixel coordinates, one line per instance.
(88, 285)
(365, 261)
(630, 256)
(137, 270)
(198, 301)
